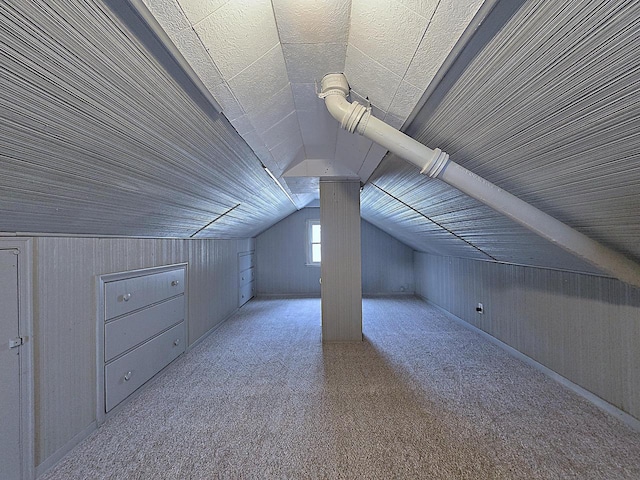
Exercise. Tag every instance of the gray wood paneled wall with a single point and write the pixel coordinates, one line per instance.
(584, 327)
(341, 271)
(387, 264)
(281, 258)
(65, 310)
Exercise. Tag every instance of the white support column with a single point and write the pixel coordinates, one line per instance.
(341, 261)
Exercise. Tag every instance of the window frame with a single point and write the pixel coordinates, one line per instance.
(309, 242)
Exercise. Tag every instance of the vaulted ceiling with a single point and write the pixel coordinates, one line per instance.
(262, 59)
(104, 132)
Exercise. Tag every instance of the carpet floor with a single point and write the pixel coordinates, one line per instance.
(420, 397)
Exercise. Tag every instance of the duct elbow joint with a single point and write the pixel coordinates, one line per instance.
(352, 116)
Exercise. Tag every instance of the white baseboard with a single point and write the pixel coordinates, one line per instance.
(211, 330)
(600, 403)
(66, 448)
(287, 295)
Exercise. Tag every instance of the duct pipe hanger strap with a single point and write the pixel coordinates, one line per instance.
(435, 163)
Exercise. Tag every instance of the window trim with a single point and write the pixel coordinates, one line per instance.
(309, 243)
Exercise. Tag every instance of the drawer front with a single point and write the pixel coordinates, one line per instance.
(126, 332)
(246, 292)
(245, 260)
(124, 296)
(126, 374)
(247, 276)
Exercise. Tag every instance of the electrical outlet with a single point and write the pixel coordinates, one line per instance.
(480, 309)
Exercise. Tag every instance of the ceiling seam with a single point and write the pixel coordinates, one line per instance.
(435, 223)
(304, 148)
(413, 57)
(193, 27)
(213, 221)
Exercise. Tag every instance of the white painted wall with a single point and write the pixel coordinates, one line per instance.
(387, 264)
(65, 323)
(584, 327)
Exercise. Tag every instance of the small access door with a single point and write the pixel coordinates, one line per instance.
(10, 341)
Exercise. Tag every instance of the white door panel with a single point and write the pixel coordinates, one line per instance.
(10, 451)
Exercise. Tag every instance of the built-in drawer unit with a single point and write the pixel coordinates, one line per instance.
(246, 260)
(141, 329)
(246, 293)
(126, 332)
(127, 295)
(127, 373)
(246, 277)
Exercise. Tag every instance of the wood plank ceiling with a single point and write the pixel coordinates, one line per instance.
(549, 111)
(100, 136)
(97, 138)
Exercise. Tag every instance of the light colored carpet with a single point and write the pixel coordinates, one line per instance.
(421, 397)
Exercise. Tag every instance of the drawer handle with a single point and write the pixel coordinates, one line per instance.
(176, 342)
(243, 278)
(126, 297)
(174, 283)
(127, 376)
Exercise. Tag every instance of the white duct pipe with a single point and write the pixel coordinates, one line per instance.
(435, 163)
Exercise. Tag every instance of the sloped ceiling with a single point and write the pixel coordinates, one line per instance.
(96, 137)
(549, 111)
(101, 134)
(261, 60)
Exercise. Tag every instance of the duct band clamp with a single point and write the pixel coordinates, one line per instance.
(352, 119)
(437, 164)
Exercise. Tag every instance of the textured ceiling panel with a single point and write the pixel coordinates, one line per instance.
(552, 115)
(261, 80)
(387, 31)
(351, 149)
(171, 15)
(289, 152)
(303, 184)
(447, 24)
(313, 22)
(402, 104)
(282, 131)
(197, 10)
(422, 7)
(308, 63)
(239, 33)
(305, 98)
(371, 161)
(198, 57)
(97, 138)
(371, 79)
(273, 109)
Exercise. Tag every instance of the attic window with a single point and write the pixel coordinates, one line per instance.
(313, 242)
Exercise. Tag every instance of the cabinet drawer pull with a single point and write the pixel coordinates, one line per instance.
(174, 283)
(126, 297)
(176, 342)
(127, 376)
